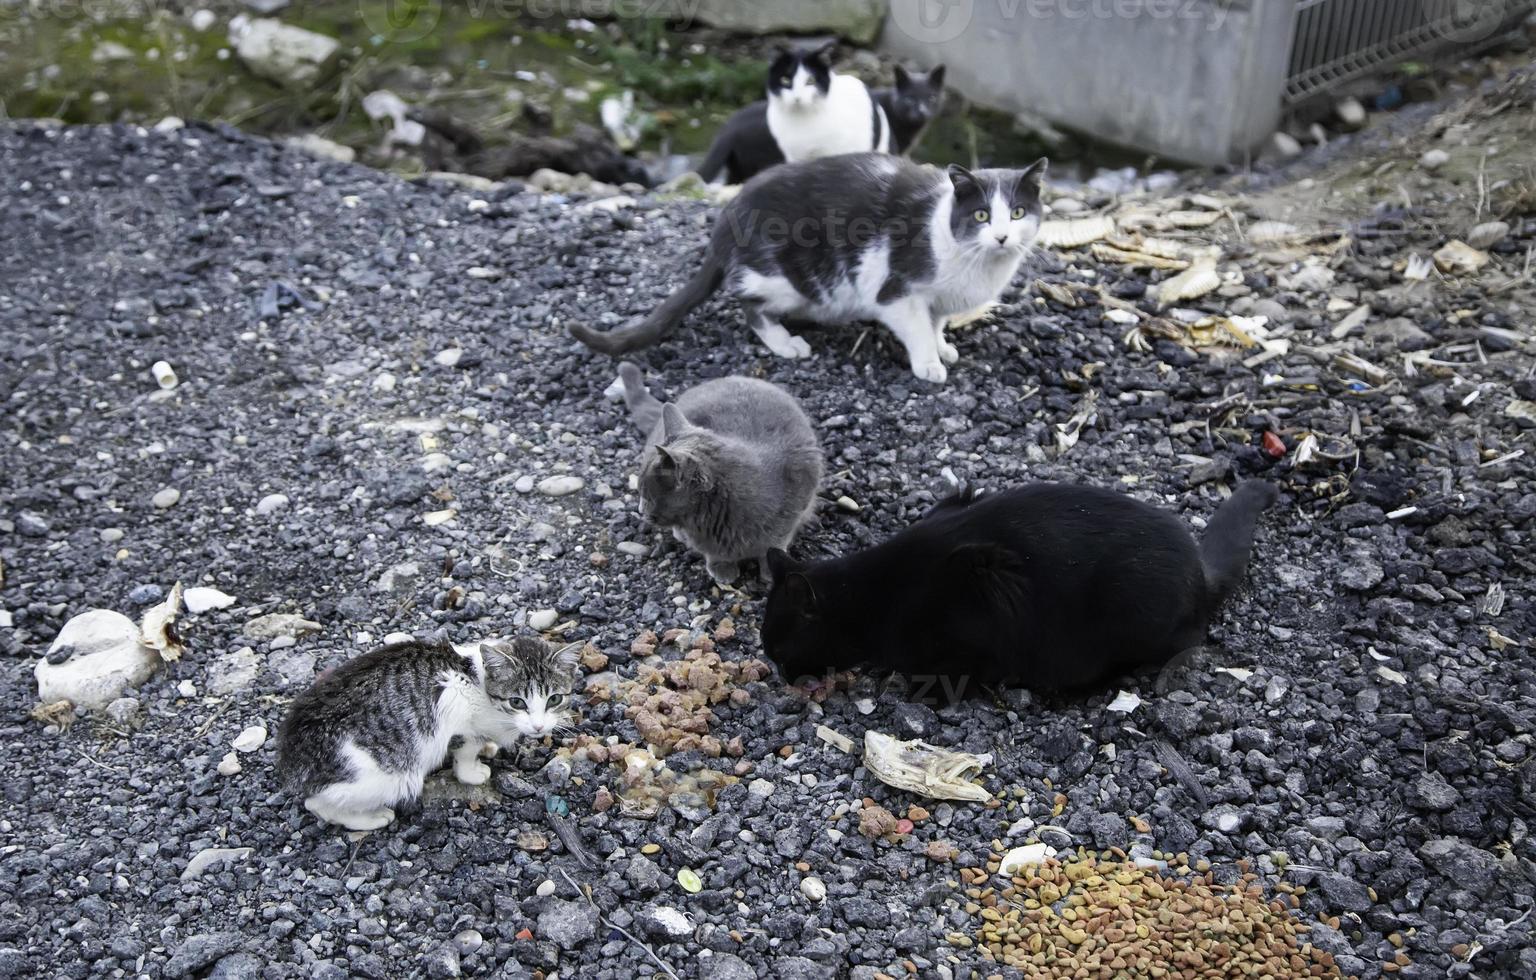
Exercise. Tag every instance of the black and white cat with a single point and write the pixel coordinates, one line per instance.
(911, 105)
(863, 236)
(362, 740)
(811, 111)
(1050, 586)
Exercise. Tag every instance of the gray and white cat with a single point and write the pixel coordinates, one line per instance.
(862, 236)
(363, 738)
(731, 467)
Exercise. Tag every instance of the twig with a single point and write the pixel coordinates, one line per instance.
(619, 929)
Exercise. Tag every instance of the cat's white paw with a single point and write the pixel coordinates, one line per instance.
(948, 353)
(791, 347)
(932, 371)
(369, 820)
(474, 773)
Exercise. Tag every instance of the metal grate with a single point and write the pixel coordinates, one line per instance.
(1338, 40)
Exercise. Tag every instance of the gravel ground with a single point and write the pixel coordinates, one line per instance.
(1357, 737)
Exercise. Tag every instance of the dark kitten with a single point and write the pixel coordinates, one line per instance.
(911, 105)
(1050, 586)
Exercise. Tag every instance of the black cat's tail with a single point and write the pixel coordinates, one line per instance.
(1228, 538)
(715, 159)
(663, 319)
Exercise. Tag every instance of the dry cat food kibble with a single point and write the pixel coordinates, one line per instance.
(1101, 915)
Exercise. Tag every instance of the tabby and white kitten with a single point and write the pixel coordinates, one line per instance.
(731, 467)
(363, 738)
(863, 236)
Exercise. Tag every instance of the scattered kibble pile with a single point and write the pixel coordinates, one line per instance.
(670, 703)
(1101, 915)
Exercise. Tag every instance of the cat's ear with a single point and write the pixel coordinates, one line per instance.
(800, 593)
(1033, 175)
(496, 653)
(936, 77)
(665, 459)
(962, 178)
(780, 564)
(672, 422)
(902, 78)
(823, 52)
(568, 656)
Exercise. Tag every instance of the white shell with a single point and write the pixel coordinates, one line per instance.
(1074, 232)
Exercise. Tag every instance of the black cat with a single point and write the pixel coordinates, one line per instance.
(1050, 586)
(911, 105)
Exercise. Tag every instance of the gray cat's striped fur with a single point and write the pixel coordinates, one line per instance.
(364, 737)
(731, 467)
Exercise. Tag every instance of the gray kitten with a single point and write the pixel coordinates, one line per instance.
(364, 737)
(732, 467)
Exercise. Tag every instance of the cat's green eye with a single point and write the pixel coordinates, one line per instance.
(982, 216)
(786, 82)
(554, 700)
(1018, 214)
(518, 704)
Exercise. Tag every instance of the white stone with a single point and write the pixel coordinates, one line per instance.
(542, 619)
(390, 639)
(318, 146)
(760, 788)
(398, 578)
(234, 671)
(1351, 113)
(814, 889)
(546, 888)
(436, 517)
(107, 660)
(112, 535)
(384, 382)
(274, 625)
(166, 498)
(633, 548)
(848, 504)
(249, 740)
(283, 53)
(449, 357)
(524, 484)
(560, 486)
(229, 765)
(5, 619)
(209, 856)
(186, 689)
(1434, 159)
(201, 598)
(271, 503)
(669, 921)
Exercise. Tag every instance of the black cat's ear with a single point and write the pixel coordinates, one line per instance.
(672, 422)
(902, 79)
(801, 593)
(961, 177)
(822, 52)
(1034, 175)
(936, 77)
(780, 564)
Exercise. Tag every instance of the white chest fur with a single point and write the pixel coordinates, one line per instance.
(841, 122)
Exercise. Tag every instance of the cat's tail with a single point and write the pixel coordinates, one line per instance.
(715, 159)
(662, 320)
(1228, 538)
